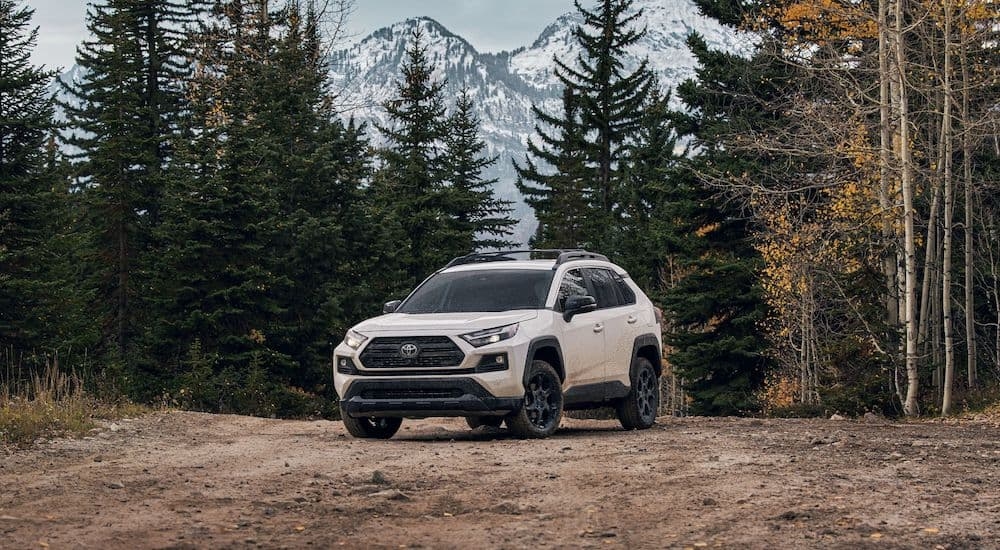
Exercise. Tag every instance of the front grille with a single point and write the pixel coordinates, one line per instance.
(434, 351)
(412, 393)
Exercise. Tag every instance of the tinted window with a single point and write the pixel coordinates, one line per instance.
(572, 285)
(628, 297)
(605, 288)
(485, 290)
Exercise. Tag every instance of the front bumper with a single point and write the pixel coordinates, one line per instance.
(424, 397)
(489, 386)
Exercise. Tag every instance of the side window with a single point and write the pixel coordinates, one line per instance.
(572, 285)
(605, 288)
(628, 297)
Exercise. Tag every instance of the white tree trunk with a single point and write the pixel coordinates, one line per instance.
(905, 157)
(970, 304)
(890, 265)
(947, 146)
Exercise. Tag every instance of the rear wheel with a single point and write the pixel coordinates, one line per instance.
(371, 427)
(637, 410)
(477, 421)
(541, 412)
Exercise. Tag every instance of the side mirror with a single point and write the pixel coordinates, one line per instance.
(576, 305)
(391, 307)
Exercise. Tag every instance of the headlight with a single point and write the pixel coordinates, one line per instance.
(354, 339)
(490, 335)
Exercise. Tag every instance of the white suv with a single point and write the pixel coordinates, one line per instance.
(505, 336)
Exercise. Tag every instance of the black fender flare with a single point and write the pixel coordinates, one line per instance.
(643, 341)
(544, 342)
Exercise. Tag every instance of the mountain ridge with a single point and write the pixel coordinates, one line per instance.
(504, 85)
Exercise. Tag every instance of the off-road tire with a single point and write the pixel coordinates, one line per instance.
(370, 427)
(477, 421)
(541, 412)
(637, 410)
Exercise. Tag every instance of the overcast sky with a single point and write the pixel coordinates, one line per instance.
(490, 25)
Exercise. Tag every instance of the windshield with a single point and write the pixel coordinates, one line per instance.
(485, 290)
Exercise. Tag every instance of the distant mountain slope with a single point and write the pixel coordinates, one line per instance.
(505, 85)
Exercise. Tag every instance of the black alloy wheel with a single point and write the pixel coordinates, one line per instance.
(371, 427)
(541, 412)
(638, 409)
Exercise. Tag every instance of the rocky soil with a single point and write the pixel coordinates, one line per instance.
(187, 480)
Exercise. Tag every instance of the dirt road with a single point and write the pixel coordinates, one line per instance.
(185, 480)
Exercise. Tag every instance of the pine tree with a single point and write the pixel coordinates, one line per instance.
(317, 166)
(126, 115)
(27, 200)
(220, 286)
(609, 102)
(559, 194)
(481, 220)
(612, 100)
(657, 200)
(411, 177)
(716, 306)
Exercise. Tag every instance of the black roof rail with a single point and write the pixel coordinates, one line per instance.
(479, 257)
(560, 255)
(579, 254)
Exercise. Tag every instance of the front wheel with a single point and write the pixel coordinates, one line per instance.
(637, 410)
(371, 427)
(541, 412)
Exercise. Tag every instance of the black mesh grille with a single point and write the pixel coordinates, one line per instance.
(434, 351)
(412, 393)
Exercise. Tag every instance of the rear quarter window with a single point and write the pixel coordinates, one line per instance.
(628, 297)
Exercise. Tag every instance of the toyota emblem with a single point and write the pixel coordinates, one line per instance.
(409, 349)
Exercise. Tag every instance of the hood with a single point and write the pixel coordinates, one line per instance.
(442, 323)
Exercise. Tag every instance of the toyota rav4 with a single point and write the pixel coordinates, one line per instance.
(515, 337)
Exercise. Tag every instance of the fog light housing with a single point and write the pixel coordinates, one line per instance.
(345, 365)
(493, 362)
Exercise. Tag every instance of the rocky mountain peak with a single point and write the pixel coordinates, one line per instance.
(505, 85)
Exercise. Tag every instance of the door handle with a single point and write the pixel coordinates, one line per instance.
(632, 319)
(599, 327)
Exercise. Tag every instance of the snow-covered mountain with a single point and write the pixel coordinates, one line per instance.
(667, 24)
(505, 85)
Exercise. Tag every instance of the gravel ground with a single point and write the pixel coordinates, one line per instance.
(189, 480)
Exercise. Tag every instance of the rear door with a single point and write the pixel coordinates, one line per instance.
(616, 312)
(582, 337)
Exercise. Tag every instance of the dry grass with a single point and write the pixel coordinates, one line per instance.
(50, 403)
(989, 413)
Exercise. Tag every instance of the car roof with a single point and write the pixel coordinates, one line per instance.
(538, 265)
(558, 255)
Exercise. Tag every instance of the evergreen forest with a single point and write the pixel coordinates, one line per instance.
(818, 216)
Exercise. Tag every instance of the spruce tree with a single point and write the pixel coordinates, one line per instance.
(411, 175)
(481, 219)
(317, 166)
(560, 191)
(219, 285)
(657, 200)
(716, 307)
(27, 200)
(122, 118)
(609, 101)
(612, 99)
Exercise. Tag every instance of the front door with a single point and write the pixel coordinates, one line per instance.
(583, 336)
